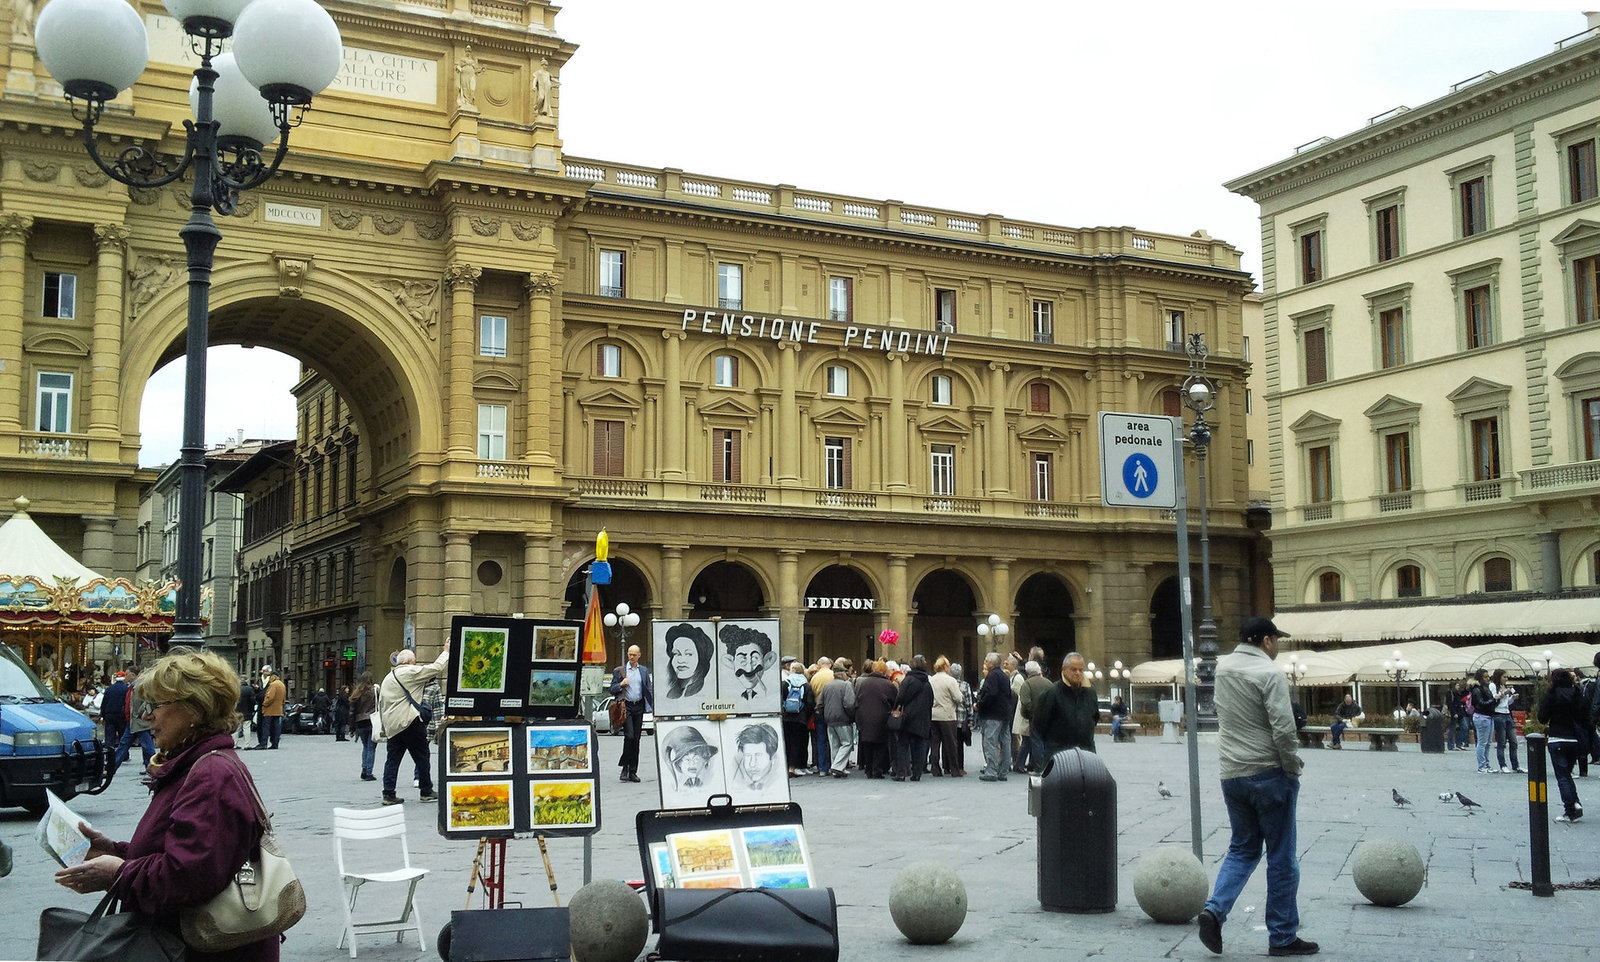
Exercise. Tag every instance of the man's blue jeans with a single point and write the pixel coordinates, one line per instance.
(996, 747)
(819, 737)
(130, 738)
(1336, 730)
(1261, 813)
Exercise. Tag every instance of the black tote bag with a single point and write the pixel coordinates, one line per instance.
(748, 925)
(67, 934)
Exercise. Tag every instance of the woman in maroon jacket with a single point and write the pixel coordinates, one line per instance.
(203, 822)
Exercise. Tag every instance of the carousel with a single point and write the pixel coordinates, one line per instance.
(71, 624)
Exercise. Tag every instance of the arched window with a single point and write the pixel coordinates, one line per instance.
(1328, 587)
(1497, 574)
(1408, 581)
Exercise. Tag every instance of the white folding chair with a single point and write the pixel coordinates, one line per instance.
(363, 825)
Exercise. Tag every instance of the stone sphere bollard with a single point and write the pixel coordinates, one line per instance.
(1388, 871)
(928, 903)
(1171, 885)
(609, 923)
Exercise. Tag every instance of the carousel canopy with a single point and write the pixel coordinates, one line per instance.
(43, 587)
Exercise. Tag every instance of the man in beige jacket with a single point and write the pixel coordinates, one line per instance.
(401, 721)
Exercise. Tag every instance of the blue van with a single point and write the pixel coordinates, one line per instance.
(44, 742)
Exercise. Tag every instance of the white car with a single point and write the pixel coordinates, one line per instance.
(601, 717)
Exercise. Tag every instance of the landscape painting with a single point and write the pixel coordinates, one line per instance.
(562, 749)
(563, 803)
(555, 643)
(479, 806)
(553, 689)
(478, 751)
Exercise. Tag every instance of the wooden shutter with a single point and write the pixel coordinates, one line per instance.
(845, 471)
(1314, 343)
(1039, 397)
(1171, 404)
(608, 461)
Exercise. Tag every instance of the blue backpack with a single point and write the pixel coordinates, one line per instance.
(794, 696)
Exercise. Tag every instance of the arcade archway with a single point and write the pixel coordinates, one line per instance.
(945, 621)
(1166, 621)
(839, 615)
(1044, 618)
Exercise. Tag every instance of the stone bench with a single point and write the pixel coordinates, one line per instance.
(1129, 730)
(1379, 739)
(1311, 736)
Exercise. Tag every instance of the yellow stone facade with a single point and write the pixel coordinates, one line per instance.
(895, 417)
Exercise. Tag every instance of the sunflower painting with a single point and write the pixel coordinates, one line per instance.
(483, 660)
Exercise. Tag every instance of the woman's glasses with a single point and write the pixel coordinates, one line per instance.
(148, 709)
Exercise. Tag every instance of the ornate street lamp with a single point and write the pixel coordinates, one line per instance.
(621, 619)
(1542, 667)
(994, 627)
(1199, 393)
(1294, 670)
(1397, 670)
(284, 52)
(1120, 676)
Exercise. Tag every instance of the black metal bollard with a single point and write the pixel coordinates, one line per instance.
(1539, 817)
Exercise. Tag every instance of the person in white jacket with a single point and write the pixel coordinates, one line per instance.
(401, 721)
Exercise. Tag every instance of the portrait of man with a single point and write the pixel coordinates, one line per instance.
(754, 774)
(689, 773)
(749, 668)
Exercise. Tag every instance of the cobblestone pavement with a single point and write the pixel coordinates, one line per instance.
(862, 833)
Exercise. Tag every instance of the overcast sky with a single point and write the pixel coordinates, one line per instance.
(1129, 114)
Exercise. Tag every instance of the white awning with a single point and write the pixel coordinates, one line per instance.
(1408, 622)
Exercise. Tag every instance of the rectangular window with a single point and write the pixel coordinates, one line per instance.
(1475, 306)
(1249, 451)
(1319, 477)
(612, 264)
(1044, 322)
(730, 287)
(608, 360)
(491, 432)
(726, 368)
(1581, 182)
(1311, 257)
(1043, 486)
(1485, 449)
(1586, 282)
(1474, 206)
(1249, 403)
(1397, 461)
(836, 463)
(54, 402)
(1175, 333)
(1247, 350)
(840, 297)
(492, 336)
(1392, 330)
(1329, 588)
(1387, 224)
(60, 295)
(1315, 345)
(944, 310)
(608, 462)
(725, 452)
(941, 389)
(942, 470)
(1039, 397)
(1497, 574)
(1591, 428)
(838, 380)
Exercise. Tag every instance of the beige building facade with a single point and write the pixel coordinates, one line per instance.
(843, 413)
(1432, 352)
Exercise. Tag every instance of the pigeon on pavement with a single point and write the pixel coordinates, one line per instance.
(1447, 796)
(1161, 789)
(1399, 799)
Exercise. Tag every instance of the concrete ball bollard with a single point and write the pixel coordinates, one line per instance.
(928, 903)
(609, 923)
(1170, 885)
(1388, 871)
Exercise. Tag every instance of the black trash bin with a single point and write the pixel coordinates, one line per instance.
(1077, 810)
(1433, 732)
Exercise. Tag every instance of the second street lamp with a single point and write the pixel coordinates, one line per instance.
(1199, 396)
(284, 53)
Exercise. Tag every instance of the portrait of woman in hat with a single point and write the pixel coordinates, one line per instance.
(690, 773)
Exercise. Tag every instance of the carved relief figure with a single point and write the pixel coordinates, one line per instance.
(418, 299)
(467, 70)
(541, 90)
(151, 274)
(22, 19)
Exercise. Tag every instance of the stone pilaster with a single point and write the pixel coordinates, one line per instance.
(105, 352)
(14, 232)
(463, 344)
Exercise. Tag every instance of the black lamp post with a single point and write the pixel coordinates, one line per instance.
(283, 53)
(1198, 396)
(1398, 670)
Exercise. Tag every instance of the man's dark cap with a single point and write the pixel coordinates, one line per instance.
(787, 659)
(1256, 627)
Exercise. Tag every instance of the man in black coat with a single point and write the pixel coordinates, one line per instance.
(996, 704)
(1064, 716)
(915, 702)
(114, 709)
(246, 707)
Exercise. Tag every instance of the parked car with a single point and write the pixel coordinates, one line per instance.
(601, 717)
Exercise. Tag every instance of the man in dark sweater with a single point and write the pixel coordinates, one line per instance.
(1065, 715)
(996, 704)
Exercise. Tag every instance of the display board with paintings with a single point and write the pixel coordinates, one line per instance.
(716, 667)
(502, 779)
(722, 845)
(513, 667)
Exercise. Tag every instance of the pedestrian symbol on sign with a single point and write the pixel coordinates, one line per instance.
(1139, 475)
